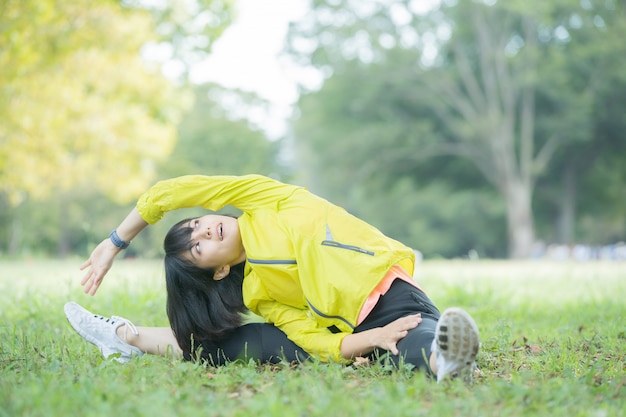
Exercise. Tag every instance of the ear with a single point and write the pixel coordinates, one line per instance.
(221, 272)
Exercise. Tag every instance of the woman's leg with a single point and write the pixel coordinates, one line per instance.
(119, 337)
(415, 347)
(261, 342)
(452, 355)
(401, 300)
(152, 340)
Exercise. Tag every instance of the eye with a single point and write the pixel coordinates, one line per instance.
(197, 247)
(195, 223)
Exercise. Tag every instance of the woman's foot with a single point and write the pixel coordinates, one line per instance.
(101, 331)
(456, 344)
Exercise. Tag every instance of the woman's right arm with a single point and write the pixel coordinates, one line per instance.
(164, 196)
(101, 259)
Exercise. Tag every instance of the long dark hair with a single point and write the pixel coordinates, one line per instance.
(199, 308)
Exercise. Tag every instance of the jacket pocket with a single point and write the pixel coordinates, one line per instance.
(328, 317)
(424, 302)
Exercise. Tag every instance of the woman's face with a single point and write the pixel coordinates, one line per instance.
(216, 242)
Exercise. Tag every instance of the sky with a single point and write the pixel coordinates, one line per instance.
(247, 56)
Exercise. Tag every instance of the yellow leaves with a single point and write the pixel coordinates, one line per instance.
(78, 107)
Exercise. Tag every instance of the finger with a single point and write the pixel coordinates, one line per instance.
(412, 322)
(88, 276)
(94, 288)
(94, 283)
(412, 317)
(85, 264)
(395, 339)
(90, 279)
(87, 287)
(90, 287)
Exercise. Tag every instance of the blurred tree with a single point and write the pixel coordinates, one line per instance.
(215, 137)
(440, 205)
(78, 106)
(465, 79)
(81, 110)
(186, 30)
(587, 178)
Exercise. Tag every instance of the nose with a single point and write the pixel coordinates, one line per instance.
(201, 233)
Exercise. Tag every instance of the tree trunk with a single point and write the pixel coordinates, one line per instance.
(63, 244)
(15, 237)
(519, 220)
(567, 208)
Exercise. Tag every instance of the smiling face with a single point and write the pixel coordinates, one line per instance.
(215, 243)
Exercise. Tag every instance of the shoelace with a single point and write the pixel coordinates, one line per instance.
(128, 324)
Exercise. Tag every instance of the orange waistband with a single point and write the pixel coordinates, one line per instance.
(395, 272)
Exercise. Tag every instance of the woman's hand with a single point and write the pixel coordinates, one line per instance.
(101, 258)
(387, 337)
(99, 263)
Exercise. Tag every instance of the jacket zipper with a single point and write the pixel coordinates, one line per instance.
(348, 247)
(319, 313)
(272, 261)
(293, 262)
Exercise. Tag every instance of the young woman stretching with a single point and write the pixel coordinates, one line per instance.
(334, 285)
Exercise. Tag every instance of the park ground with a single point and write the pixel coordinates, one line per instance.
(553, 335)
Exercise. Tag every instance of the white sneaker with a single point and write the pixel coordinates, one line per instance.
(100, 331)
(457, 343)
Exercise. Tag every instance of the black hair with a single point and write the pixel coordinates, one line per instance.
(199, 308)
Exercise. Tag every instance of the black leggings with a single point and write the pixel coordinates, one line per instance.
(266, 343)
(261, 342)
(401, 300)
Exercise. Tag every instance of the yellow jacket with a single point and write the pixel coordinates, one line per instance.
(310, 264)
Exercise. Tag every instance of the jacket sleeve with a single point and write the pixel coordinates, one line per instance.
(246, 193)
(297, 324)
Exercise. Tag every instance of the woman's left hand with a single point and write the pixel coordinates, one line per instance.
(387, 337)
(395, 331)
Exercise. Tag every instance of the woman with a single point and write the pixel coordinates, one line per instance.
(335, 285)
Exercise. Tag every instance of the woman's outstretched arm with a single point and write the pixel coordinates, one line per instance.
(101, 259)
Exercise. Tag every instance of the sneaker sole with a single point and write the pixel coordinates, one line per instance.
(458, 342)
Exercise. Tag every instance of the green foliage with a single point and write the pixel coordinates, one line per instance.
(432, 217)
(186, 29)
(74, 222)
(87, 124)
(79, 108)
(552, 346)
(214, 142)
(588, 169)
(517, 92)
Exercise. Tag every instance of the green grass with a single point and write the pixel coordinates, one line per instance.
(554, 344)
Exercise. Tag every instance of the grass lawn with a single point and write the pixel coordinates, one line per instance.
(554, 344)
